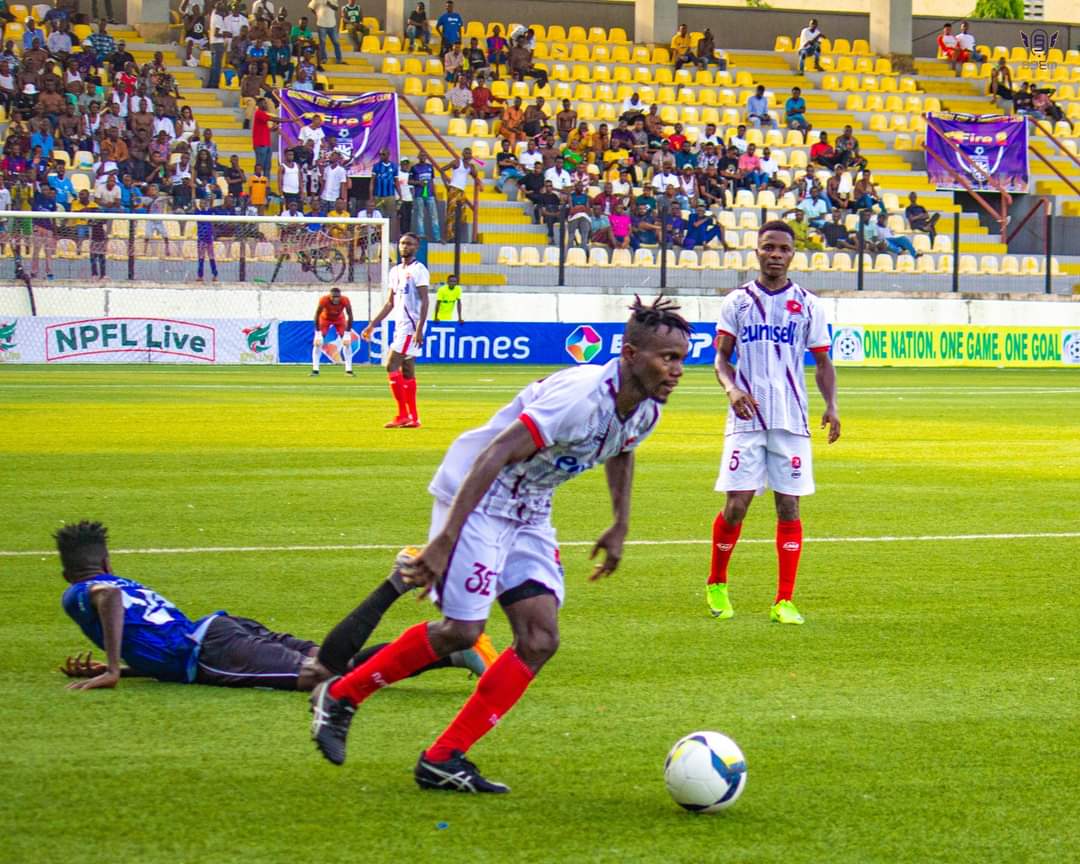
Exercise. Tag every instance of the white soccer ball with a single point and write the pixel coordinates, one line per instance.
(705, 772)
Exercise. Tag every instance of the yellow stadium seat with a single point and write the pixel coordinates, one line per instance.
(643, 258)
(830, 82)
(390, 66)
(887, 85)
(1018, 54)
(414, 87)
(663, 76)
(869, 83)
(819, 263)
(597, 34)
(842, 262)
(500, 89)
(575, 256)
(894, 104)
(669, 115)
(1010, 266)
(436, 87)
(864, 65)
(988, 265)
(875, 102)
(798, 158)
(854, 102)
(841, 46)
(783, 43)
(620, 54)
(878, 123)
(800, 262)
(80, 182)
(710, 260)
(555, 33)
(601, 53)
(457, 127)
(475, 29)
(617, 35)
(688, 260)
(480, 149)
(925, 264)
(412, 66)
(19, 12)
(905, 264)
(883, 66)
(14, 31)
(508, 256)
(733, 261)
(1031, 266)
(576, 34)
(860, 47)
(943, 244)
(579, 51)
(621, 258)
(968, 264)
(530, 256)
(434, 105)
(371, 23)
(766, 198)
(370, 45)
(850, 83)
(844, 64)
(479, 129)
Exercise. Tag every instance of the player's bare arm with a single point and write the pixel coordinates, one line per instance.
(387, 308)
(422, 290)
(825, 377)
(513, 444)
(619, 471)
(741, 401)
(108, 601)
(85, 666)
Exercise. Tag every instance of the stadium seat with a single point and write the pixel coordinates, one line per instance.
(819, 263)
(457, 128)
(968, 264)
(413, 87)
(391, 66)
(841, 262)
(530, 256)
(617, 36)
(621, 258)
(479, 129)
(644, 258)
(688, 260)
(710, 260)
(555, 33)
(1010, 266)
(551, 256)
(921, 243)
(575, 256)
(800, 263)
(905, 264)
(733, 261)
(945, 264)
(988, 265)
(744, 198)
(854, 102)
(783, 43)
(943, 244)
(598, 257)
(576, 34)
(19, 12)
(925, 264)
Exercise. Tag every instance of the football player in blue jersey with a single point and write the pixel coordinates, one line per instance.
(132, 623)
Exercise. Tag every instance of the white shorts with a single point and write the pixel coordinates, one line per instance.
(153, 228)
(492, 556)
(405, 343)
(777, 458)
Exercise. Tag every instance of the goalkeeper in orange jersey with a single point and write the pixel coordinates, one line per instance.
(334, 310)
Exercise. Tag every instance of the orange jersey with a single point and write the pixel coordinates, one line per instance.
(329, 312)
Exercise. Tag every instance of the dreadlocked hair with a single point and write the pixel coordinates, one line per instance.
(648, 318)
(81, 543)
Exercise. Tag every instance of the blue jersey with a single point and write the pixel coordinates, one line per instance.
(158, 640)
(450, 24)
(384, 179)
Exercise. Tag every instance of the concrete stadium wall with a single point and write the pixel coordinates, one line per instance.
(295, 304)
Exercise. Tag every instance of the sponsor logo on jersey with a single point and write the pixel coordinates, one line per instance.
(796, 462)
(794, 307)
(768, 333)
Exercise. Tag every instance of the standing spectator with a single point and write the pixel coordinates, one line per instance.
(335, 181)
(204, 235)
(498, 49)
(326, 23)
(418, 28)
(1000, 86)
(422, 180)
(810, 45)
(533, 184)
(258, 189)
(405, 197)
(314, 133)
(44, 231)
(261, 122)
(681, 49)
(918, 219)
(108, 10)
(289, 179)
(384, 177)
(447, 298)
(757, 108)
(795, 113)
(353, 16)
(219, 38)
(450, 25)
(706, 51)
(461, 169)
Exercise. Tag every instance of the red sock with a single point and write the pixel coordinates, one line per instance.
(409, 389)
(499, 688)
(788, 549)
(398, 389)
(409, 652)
(724, 538)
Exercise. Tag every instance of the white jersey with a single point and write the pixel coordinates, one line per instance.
(572, 418)
(772, 332)
(405, 279)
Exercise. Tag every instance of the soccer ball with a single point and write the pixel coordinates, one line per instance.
(705, 772)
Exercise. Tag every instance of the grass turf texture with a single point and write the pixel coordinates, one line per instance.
(926, 712)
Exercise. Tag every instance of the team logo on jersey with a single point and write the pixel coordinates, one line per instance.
(583, 344)
(1070, 347)
(796, 462)
(794, 307)
(848, 344)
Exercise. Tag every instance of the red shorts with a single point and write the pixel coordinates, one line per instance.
(325, 324)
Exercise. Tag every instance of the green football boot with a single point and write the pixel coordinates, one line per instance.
(716, 596)
(785, 612)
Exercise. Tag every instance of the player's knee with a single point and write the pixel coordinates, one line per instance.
(787, 507)
(538, 645)
(735, 509)
(448, 636)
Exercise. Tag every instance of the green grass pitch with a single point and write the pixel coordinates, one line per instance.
(926, 712)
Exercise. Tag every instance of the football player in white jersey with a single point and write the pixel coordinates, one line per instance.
(407, 298)
(491, 535)
(770, 323)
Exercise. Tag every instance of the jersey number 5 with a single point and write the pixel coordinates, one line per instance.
(733, 465)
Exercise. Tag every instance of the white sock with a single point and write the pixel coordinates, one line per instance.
(316, 350)
(346, 349)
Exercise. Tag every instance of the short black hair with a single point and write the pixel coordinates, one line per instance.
(81, 544)
(646, 319)
(776, 225)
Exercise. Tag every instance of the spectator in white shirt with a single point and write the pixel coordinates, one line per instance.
(966, 42)
(558, 175)
(315, 134)
(335, 180)
(530, 157)
(810, 45)
(219, 36)
(665, 178)
(405, 196)
(738, 140)
(327, 24)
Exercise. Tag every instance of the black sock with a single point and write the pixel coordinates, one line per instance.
(349, 636)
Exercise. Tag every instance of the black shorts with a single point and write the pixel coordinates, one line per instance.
(240, 652)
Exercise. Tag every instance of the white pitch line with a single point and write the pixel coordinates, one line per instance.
(387, 547)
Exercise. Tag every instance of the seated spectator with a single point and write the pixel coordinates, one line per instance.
(750, 169)
(578, 217)
(558, 176)
(810, 45)
(418, 28)
(674, 226)
(521, 64)
(795, 113)
(866, 229)
(948, 48)
(865, 195)
(814, 206)
(965, 44)
(757, 108)
(566, 120)
(484, 105)
(633, 108)
(889, 242)
(738, 140)
(536, 118)
(549, 208)
(497, 49)
(511, 126)
(279, 59)
(1024, 101)
(806, 239)
(459, 97)
(475, 57)
(600, 227)
(1044, 106)
(533, 184)
(645, 229)
(702, 230)
(840, 189)
(620, 226)
(918, 219)
(706, 51)
(836, 233)
(682, 51)
(1000, 85)
(453, 62)
(770, 168)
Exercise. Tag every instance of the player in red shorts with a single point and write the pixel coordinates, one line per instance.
(335, 311)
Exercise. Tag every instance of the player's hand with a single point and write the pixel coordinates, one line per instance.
(366, 333)
(832, 419)
(83, 666)
(106, 679)
(611, 541)
(428, 567)
(742, 403)
(418, 340)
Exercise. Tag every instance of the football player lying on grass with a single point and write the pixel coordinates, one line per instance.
(132, 623)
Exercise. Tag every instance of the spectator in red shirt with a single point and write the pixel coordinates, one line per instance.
(823, 153)
(260, 134)
(483, 103)
(948, 47)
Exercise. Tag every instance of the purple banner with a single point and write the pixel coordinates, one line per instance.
(991, 151)
(357, 125)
